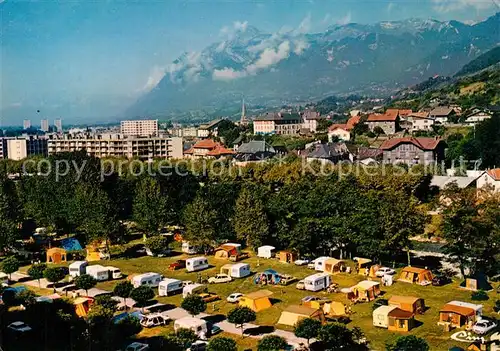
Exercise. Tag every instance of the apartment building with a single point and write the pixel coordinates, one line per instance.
(141, 128)
(44, 125)
(58, 125)
(413, 151)
(283, 123)
(3, 148)
(19, 148)
(118, 145)
(26, 124)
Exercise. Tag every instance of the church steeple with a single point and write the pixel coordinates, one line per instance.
(243, 119)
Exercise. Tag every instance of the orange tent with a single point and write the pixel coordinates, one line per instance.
(416, 275)
(56, 255)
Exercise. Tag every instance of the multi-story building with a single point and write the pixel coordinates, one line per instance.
(310, 120)
(140, 128)
(442, 114)
(19, 148)
(186, 132)
(118, 145)
(26, 124)
(44, 125)
(413, 151)
(207, 148)
(209, 129)
(3, 148)
(387, 121)
(58, 125)
(419, 121)
(278, 123)
(477, 115)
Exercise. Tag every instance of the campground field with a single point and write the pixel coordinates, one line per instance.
(435, 297)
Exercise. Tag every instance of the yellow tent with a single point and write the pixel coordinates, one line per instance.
(362, 263)
(293, 314)
(373, 271)
(82, 305)
(56, 255)
(257, 301)
(366, 290)
(332, 265)
(334, 309)
(96, 251)
(416, 275)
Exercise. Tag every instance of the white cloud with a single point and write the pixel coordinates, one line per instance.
(229, 32)
(270, 57)
(345, 19)
(227, 74)
(155, 75)
(15, 104)
(457, 5)
(304, 26)
(299, 46)
(240, 26)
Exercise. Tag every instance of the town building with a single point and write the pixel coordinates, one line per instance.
(310, 120)
(19, 148)
(3, 148)
(490, 178)
(442, 114)
(327, 153)
(139, 128)
(207, 148)
(283, 123)
(117, 145)
(58, 125)
(184, 132)
(419, 121)
(477, 115)
(343, 131)
(256, 151)
(413, 151)
(209, 129)
(388, 121)
(26, 124)
(44, 125)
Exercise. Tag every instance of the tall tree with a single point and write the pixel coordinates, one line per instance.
(123, 290)
(201, 223)
(307, 328)
(194, 304)
(272, 343)
(10, 213)
(85, 282)
(36, 271)
(54, 275)
(150, 205)
(240, 316)
(336, 336)
(10, 265)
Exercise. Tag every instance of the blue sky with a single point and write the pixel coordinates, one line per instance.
(78, 59)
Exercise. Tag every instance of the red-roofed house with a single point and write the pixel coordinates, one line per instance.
(412, 151)
(387, 121)
(207, 148)
(490, 178)
(343, 131)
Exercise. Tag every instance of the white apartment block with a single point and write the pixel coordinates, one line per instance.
(58, 125)
(141, 128)
(44, 125)
(21, 147)
(26, 124)
(117, 145)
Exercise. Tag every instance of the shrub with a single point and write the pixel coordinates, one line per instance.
(479, 295)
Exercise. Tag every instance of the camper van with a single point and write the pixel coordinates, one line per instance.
(148, 279)
(98, 272)
(196, 264)
(189, 249)
(114, 273)
(238, 270)
(197, 325)
(319, 263)
(169, 287)
(317, 282)
(78, 268)
(193, 289)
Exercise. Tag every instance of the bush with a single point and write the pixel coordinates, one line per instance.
(497, 306)
(480, 295)
(408, 343)
(221, 344)
(272, 343)
(194, 304)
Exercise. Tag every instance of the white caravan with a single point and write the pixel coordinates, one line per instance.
(317, 282)
(77, 268)
(197, 325)
(98, 272)
(169, 287)
(148, 279)
(196, 264)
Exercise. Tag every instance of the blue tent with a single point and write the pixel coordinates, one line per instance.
(71, 244)
(269, 276)
(116, 319)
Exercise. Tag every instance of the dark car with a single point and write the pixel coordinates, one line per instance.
(179, 264)
(440, 280)
(214, 329)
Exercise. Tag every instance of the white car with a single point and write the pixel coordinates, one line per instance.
(154, 320)
(19, 327)
(300, 285)
(186, 282)
(385, 271)
(137, 346)
(234, 298)
(483, 326)
(220, 278)
(301, 262)
(199, 345)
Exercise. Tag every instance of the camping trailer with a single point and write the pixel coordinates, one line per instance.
(189, 249)
(319, 263)
(77, 268)
(169, 287)
(266, 251)
(193, 289)
(333, 266)
(197, 325)
(238, 270)
(381, 316)
(98, 272)
(114, 273)
(317, 282)
(196, 264)
(150, 279)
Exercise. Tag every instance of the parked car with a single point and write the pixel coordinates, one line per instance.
(238, 257)
(300, 285)
(315, 298)
(220, 278)
(385, 271)
(234, 297)
(440, 280)
(311, 265)
(483, 326)
(154, 320)
(287, 279)
(19, 327)
(214, 329)
(209, 297)
(199, 345)
(137, 346)
(179, 264)
(301, 262)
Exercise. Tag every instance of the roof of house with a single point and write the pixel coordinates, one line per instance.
(422, 114)
(441, 111)
(461, 310)
(421, 143)
(277, 116)
(400, 314)
(255, 146)
(351, 122)
(442, 181)
(337, 126)
(368, 152)
(215, 148)
(211, 124)
(386, 117)
(258, 294)
(312, 115)
(219, 150)
(326, 150)
(494, 173)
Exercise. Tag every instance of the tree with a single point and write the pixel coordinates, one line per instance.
(85, 282)
(36, 271)
(336, 336)
(142, 294)
(222, 344)
(54, 275)
(123, 290)
(10, 265)
(185, 337)
(250, 218)
(194, 304)
(157, 244)
(272, 343)
(307, 328)
(408, 343)
(201, 222)
(240, 316)
(26, 297)
(107, 302)
(150, 205)
(127, 327)
(10, 212)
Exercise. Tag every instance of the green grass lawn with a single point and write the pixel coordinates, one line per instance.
(435, 297)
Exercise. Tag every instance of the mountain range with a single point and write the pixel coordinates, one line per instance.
(291, 67)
